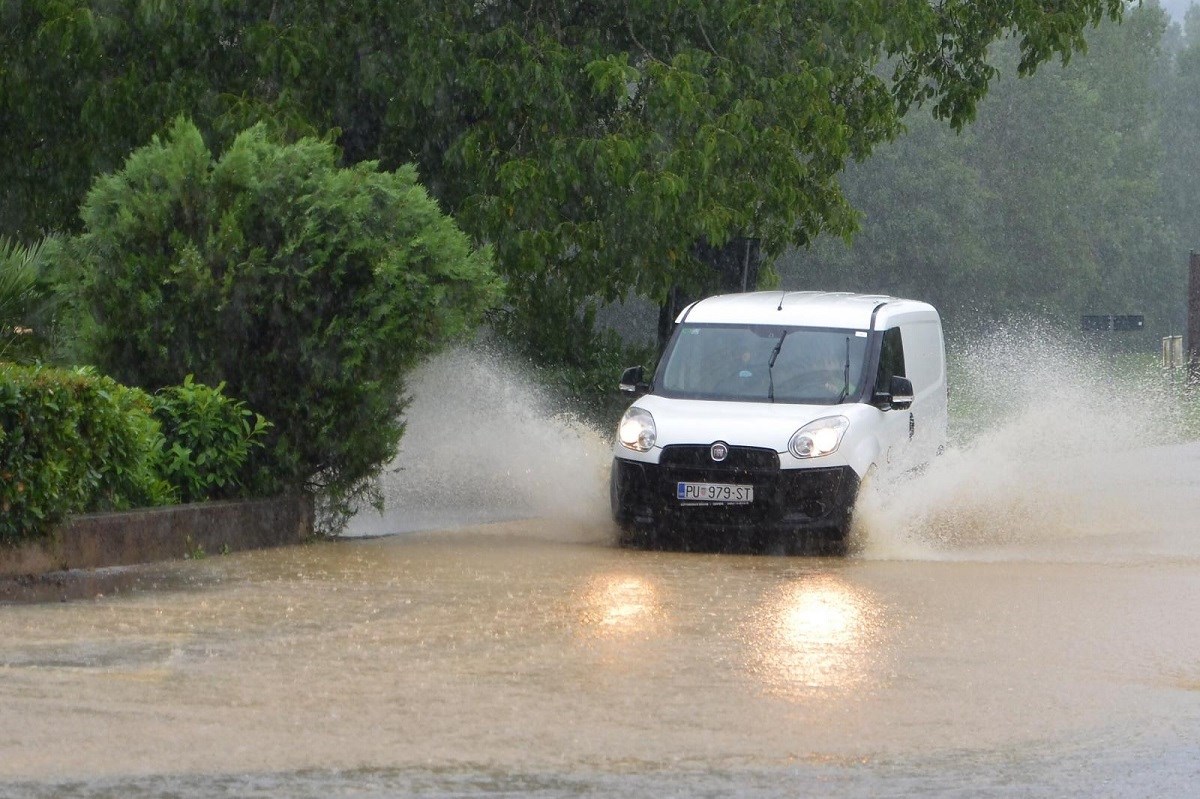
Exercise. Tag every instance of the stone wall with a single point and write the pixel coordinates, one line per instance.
(141, 536)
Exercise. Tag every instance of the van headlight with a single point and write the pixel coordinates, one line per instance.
(819, 437)
(637, 431)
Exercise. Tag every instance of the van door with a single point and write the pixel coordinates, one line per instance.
(926, 365)
(898, 425)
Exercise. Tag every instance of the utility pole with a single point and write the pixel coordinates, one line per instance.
(1193, 320)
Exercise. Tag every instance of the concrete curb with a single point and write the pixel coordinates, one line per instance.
(142, 536)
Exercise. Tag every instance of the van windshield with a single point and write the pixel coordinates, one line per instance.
(764, 363)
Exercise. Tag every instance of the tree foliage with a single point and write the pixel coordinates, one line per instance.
(1050, 203)
(1181, 134)
(308, 289)
(207, 440)
(597, 146)
(85, 82)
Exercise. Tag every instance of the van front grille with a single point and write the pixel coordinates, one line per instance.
(740, 460)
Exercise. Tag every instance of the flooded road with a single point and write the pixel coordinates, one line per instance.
(1021, 619)
(501, 659)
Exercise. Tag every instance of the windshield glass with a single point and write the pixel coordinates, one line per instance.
(763, 363)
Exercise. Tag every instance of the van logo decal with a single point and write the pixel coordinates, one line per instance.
(719, 451)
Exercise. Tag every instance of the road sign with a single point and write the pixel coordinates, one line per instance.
(1092, 324)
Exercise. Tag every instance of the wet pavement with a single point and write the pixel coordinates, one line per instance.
(528, 659)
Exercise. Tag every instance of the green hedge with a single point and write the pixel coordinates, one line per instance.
(77, 442)
(72, 442)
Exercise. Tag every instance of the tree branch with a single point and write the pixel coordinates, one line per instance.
(629, 26)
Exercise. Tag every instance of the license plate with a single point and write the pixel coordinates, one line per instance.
(714, 492)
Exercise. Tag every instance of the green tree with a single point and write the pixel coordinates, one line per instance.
(615, 147)
(85, 82)
(601, 148)
(1181, 135)
(1050, 203)
(309, 290)
(924, 225)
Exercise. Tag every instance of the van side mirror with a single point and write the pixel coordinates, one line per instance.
(902, 392)
(898, 397)
(633, 381)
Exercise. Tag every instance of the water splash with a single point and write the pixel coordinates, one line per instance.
(1058, 453)
(484, 444)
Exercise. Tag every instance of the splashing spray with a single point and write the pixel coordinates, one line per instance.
(1058, 453)
(483, 444)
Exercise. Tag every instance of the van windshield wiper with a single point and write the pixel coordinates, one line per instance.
(771, 367)
(846, 387)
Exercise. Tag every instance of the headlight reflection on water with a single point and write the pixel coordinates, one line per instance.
(619, 604)
(819, 634)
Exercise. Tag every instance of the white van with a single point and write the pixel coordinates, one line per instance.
(767, 411)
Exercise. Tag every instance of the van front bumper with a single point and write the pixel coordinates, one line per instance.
(786, 501)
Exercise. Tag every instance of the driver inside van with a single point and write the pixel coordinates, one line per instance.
(745, 368)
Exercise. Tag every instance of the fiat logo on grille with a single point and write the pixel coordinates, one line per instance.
(719, 451)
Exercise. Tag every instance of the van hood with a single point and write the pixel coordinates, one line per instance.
(745, 424)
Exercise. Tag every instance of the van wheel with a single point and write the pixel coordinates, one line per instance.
(835, 543)
(854, 531)
(637, 536)
(811, 543)
(631, 536)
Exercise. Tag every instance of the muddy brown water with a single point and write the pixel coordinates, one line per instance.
(1021, 619)
(513, 659)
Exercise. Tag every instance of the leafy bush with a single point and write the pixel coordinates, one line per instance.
(308, 289)
(72, 442)
(208, 438)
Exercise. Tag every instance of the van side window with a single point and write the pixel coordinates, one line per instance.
(891, 360)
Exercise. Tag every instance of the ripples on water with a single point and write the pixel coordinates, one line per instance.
(1025, 774)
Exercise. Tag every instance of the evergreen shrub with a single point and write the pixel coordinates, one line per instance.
(308, 288)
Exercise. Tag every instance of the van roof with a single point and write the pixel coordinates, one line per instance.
(837, 309)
